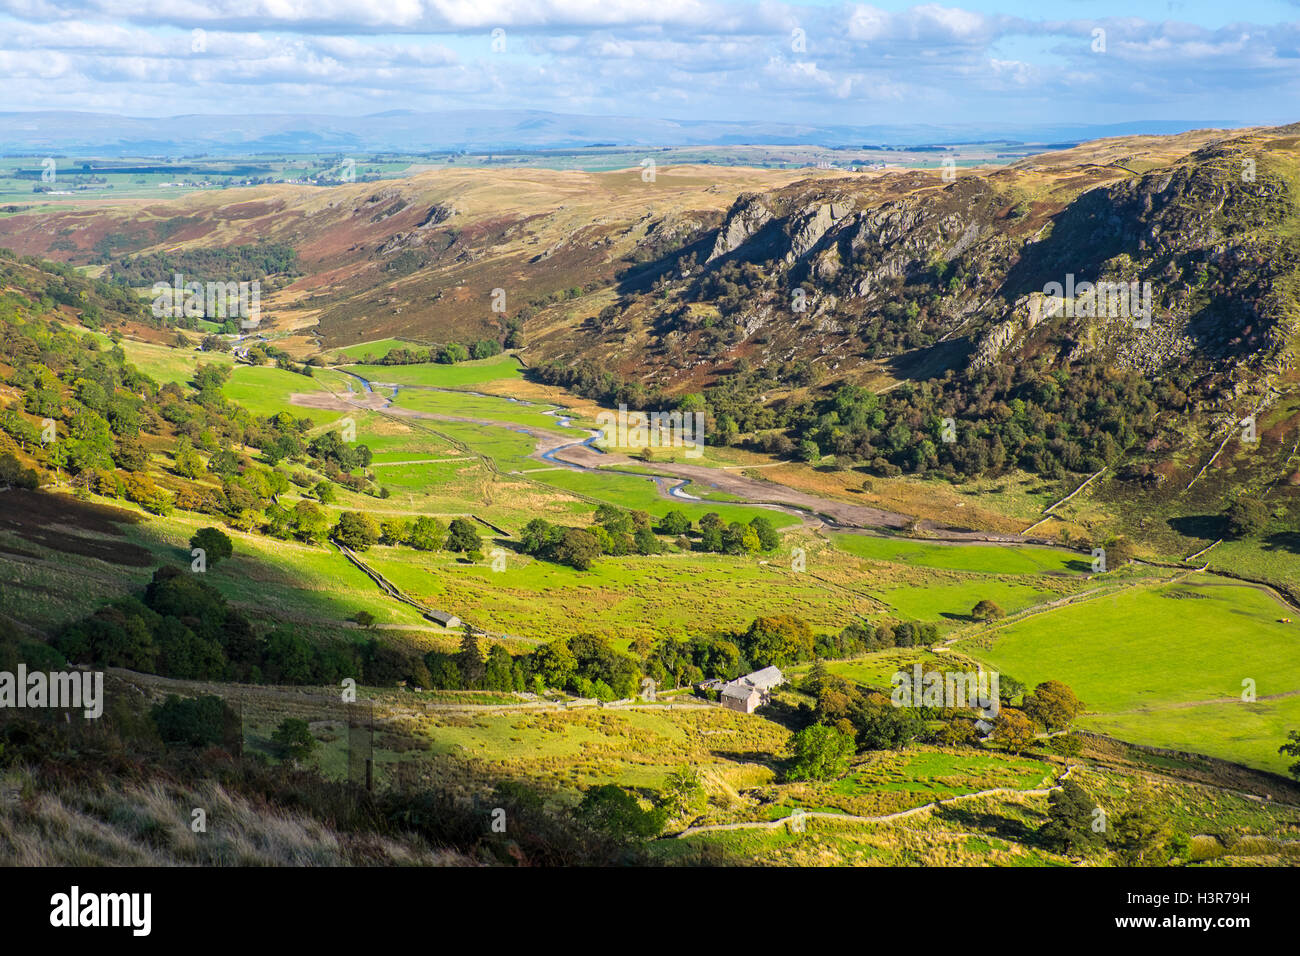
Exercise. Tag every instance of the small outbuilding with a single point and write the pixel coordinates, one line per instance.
(445, 619)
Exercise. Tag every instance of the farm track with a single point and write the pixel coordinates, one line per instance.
(392, 708)
(883, 818)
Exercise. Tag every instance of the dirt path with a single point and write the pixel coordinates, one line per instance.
(883, 818)
(757, 491)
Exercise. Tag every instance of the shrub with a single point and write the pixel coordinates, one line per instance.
(819, 752)
(215, 543)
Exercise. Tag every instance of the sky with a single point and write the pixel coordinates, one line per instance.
(977, 61)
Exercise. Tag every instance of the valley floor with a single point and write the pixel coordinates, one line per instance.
(1167, 657)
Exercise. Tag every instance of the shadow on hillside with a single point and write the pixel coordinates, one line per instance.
(791, 716)
(1086, 233)
(1206, 527)
(127, 547)
(747, 757)
(63, 523)
(931, 362)
(1227, 327)
(639, 277)
(1006, 828)
(1283, 541)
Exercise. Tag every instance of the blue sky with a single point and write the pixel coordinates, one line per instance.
(971, 61)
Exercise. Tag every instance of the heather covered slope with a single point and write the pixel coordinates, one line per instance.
(417, 257)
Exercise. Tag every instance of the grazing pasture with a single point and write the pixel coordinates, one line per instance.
(983, 558)
(460, 375)
(624, 598)
(1166, 664)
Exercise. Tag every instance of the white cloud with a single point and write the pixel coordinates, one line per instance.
(704, 58)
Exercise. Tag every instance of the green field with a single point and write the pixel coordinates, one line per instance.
(893, 781)
(460, 375)
(987, 559)
(484, 407)
(162, 363)
(265, 390)
(1276, 560)
(951, 603)
(377, 348)
(878, 667)
(1166, 664)
(1235, 731)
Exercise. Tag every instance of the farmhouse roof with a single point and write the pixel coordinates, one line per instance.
(765, 679)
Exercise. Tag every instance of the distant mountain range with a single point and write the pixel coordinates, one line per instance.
(103, 134)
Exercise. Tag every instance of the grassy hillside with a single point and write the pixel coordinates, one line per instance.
(829, 531)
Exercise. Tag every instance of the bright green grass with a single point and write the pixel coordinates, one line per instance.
(1276, 563)
(484, 407)
(922, 776)
(265, 390)
(397, 448)
(507, 448)
(377, 348)
(1140, 650)
(461, 375)
(951, 604)
(424, 477)
(1142, 647)
(989, 559)
(877, 668)
(1236, 731)
(390, 439)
